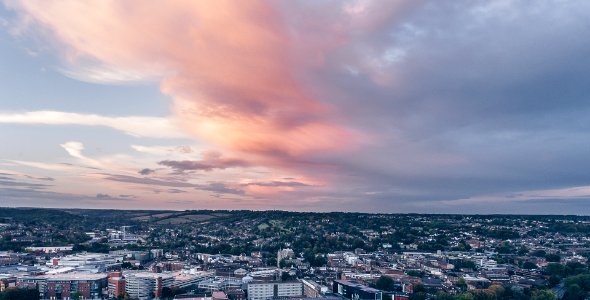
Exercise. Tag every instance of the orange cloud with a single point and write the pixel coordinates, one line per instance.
(227, 65)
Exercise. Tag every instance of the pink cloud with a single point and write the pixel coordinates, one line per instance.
(235, 70)
(228, 66)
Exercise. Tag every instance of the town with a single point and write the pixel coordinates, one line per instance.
(259, 255)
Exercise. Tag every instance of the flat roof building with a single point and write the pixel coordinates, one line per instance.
(145, 285)
(355, 291)
(269, 290)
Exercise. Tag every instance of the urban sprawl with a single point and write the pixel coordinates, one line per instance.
(260, 255)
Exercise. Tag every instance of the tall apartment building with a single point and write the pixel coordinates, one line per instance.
(269, 290)
(145, 285)
(116, 285)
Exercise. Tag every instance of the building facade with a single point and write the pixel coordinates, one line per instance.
(144, 285)
(116, 285)
(355, 291)
(269, 290)
(84, 286)
(311, 289)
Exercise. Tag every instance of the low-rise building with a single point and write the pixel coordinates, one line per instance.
(86, 286)
(311, 289)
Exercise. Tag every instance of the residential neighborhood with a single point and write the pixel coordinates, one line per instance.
(241, 255)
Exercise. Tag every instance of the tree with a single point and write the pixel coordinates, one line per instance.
(582, 281)
(554, 280)
(419, 288)
(285, 276)
(529, 265)
(419, 293)
(485, 294)
(574, 267)
(469, 264)
(498, 290)
(440, 295)
(414, 273)
(385, 283)
(283, 263)
(553, 257)
(523, 250)
(554, 269)
(20, 294)
(123, 296)
(272, 261)
(465, 296)
(505, 247)
(462, 284)
(543, 295)
(574, 292)
(539, 253)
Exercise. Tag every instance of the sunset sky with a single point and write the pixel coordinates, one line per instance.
(372, 106)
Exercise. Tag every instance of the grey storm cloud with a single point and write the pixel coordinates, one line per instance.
(101, 196)
(277, 184)
(146, 171)
(220, 188)
(11, 182)
(459, 99)
(216, 187)
(210, 160)
(182, 202)
(20, 196)
(465, 98)
(40, 178)
(148, 181)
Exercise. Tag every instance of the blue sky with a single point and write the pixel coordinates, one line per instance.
(404, 106)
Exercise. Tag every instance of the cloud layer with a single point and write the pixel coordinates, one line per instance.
(135, 126)
(389, 105)
(236, 89)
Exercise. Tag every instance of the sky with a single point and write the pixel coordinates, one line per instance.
(373, 106)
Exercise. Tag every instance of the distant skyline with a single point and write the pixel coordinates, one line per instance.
(369, 106)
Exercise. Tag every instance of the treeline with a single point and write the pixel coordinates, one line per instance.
(19, 294)
(497, 292)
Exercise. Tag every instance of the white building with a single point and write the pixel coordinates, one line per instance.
(50, 249)
(268, 290)
(187, 279)
(145, 285)
(88, 261)
(220, 283)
